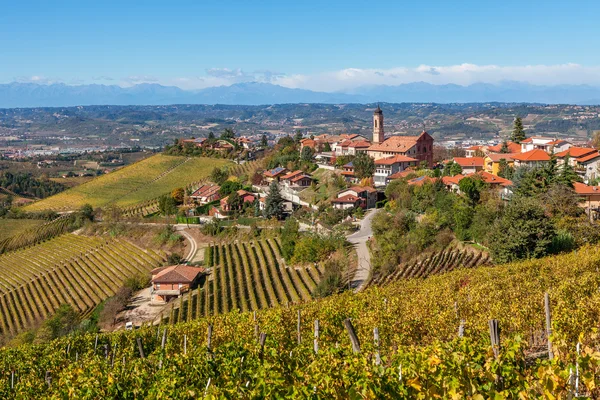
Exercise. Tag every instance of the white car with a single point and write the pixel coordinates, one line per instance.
(129, 326)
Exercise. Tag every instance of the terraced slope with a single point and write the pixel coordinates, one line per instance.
(70, 269)
(246, 276)
(136, 183)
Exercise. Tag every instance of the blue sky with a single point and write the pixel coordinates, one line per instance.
(328, 45)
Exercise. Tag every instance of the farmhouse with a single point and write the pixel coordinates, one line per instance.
(274, 174)
(470, 165)
(384, 167)
(296, 179)
(366, 194)
(206, 194)
(532, 158)
(246, 197)
(172, 281)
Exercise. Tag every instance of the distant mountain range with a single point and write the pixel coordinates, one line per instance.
(254, 93)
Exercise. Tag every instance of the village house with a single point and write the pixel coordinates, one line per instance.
(206, 194)
(473, 151)
(421, 180)
(511, 147)
(585, 161)
(246, 197)
(346, 202)
(349, 147)
(172, 281)
(452, 182)
(589, 198)
(245, 142)
(548, 145)
(470, 165)
(194, 141)
(274, 174)
(401, 174)
(385, 167)
(348, 173)
(366, 194)
(296, 180)
(491, 162)
(531, 158)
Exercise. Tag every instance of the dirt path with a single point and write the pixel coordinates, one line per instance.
(359, 240)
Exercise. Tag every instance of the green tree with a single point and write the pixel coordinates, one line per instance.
(298, 136)
(228, 133)
(263, 141)
(364, 166)
(471, 187)
(455, 169)
(167, 205)
(505, 170)
(463, 217)
(229, 187)
(306, 154)
(504, 149)
(326, 147)
(211, 135)
(274, 202)
(289, 236)
(178, 195)
(518, 133)
(524, 231)
(87, 211)
(218, 175)
(567, 174)
(235, 202)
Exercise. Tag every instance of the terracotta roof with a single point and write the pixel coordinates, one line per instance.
(474, 148)
(469, 161)
(275, 171)
(206, 190)
(496, 157)
(347, 173)
(512, 147)
(349, 198)
(401, 174)
(398, 158)
(292, 174)
(308, 143)
(589, 157)
(581, 188)
(448, 180)
(576, 152)
(532, 155)
(297, 178)
(176, 274)
(360, 143)
(421, 180)
(360, 189)
(395, 143)
(557, 142)
(528, 140)
(493, 179)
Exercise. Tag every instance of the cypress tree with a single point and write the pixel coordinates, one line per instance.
(518, 133)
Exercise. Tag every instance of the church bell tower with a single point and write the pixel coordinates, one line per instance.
(378, 134)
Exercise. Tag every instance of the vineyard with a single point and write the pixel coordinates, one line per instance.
(443, 261)
(12, 227)
(70, 269)
(36, 234)
(133, 184)
(148, 207)
(405, 344)
(246, 277)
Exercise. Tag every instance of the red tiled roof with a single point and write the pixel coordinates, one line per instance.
(206, 191)
(398, 158)
(421, 180)
(349, 198)
(274, 172)
(360, 189)
(512, 147)
(496, 157)
(300, 177)
(399, 144)
(528, 140)
(292, 174)
(448, 180)
(360, 144)
(474, 148)
(532, 155)
(576, 152)
(493, 179)
(347, 173)
(176, 274)
(589, 157)
(581, 188)
(401, 174)
(469, 161)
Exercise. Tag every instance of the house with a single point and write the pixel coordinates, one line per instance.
(470, 165)
(308, 143)
(347, 201)
(491, 162)
(401, 175)
(548, 145)
(274, 174)
(590, 197)
(452, 182)
(296, 179)
(348, 173)
(246, 197)
(473, 150)
(245, 142)
(172, 281)
(421, 180)
(348, 147)
(585, 161)
(206, 194)
(531, 158)
(384, 167)
(196, 142)
(366, 194)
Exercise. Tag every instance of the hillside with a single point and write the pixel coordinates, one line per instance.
(136, 183)
(417, 321)
(70, 269)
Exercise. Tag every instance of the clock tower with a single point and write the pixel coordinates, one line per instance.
(378, 134)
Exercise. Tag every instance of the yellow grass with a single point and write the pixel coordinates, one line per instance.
(136, 183)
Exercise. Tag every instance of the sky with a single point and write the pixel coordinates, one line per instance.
(317, 45)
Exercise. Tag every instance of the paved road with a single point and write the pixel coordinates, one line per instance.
(359, 240)
(193, 245)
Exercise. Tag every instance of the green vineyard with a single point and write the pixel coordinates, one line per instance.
(246, 277)
(37, 234)
(443, 261)
(69, 269)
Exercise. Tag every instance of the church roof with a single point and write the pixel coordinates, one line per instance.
(398, 144)
(378, 110)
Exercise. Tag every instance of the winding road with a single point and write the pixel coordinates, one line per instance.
(359, 240)
(193, 245)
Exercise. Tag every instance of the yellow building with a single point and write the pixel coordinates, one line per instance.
(491, 162)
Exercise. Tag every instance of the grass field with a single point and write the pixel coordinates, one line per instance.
(133, 184)
(11, 227)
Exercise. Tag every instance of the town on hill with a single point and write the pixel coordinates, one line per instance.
(304, 249)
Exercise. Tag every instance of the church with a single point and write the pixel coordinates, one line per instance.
(418, 147)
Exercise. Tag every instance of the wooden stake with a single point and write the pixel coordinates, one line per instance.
(298, 328)
(316, 341)
(461, 328)
(96, 344)
(12, 379)
(495, 336)
(263, 338)
(376, 340)
(164, 339)
(48, 378)
(184, 345)
(548, 324)
(352, 334)
(209, 339)
(140, 347)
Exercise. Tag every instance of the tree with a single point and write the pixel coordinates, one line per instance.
(471, 187)
(178, 195)
(167, 205)
(274, 202)
(229, 187)
(87, 211)
(524, 231)
(504, 149)
(518, 133)
(228, 133)
(298, 136)
(306, 154)
(327, 147)
(235, 202)
(455, 169)
(364, 166)
(289, 236)
(218, 175)
(505, 170)
(263, 141)
(211, 135)
(567, 174)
